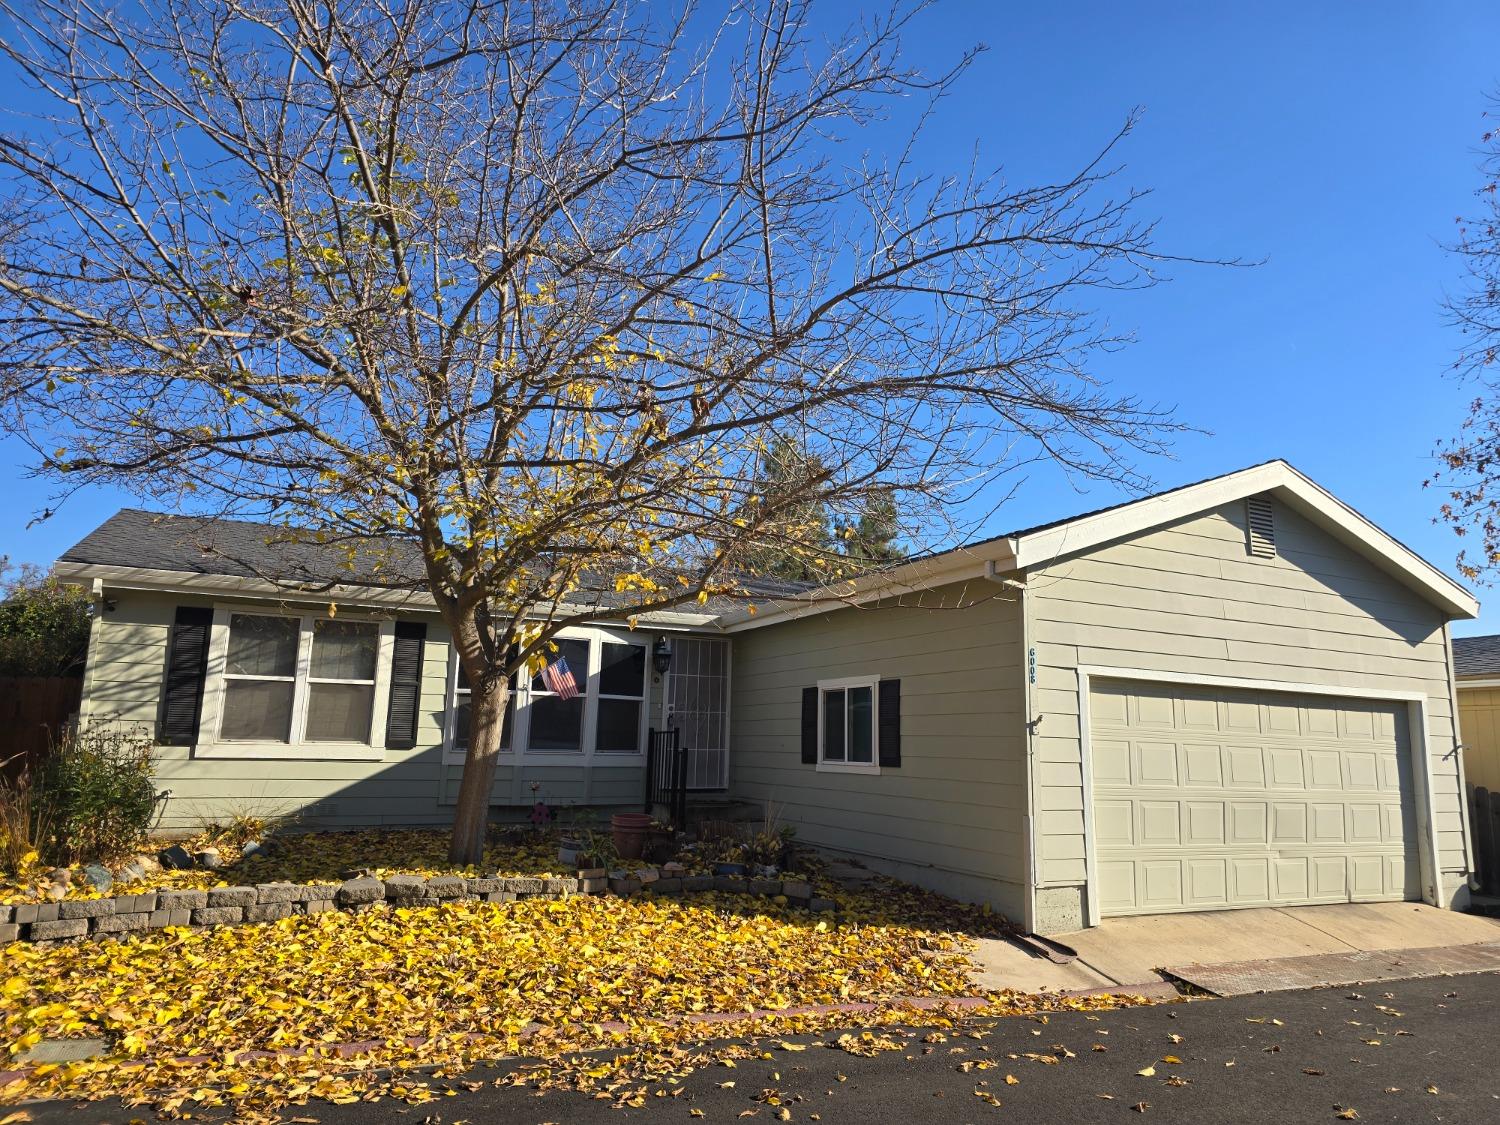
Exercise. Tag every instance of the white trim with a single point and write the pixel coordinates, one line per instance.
(1291, 487)
(1424, 804)
(847, 684)
(1486, 682)
(1470, 868)
(208, 744)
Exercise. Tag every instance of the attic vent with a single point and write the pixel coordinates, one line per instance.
(1260, 529)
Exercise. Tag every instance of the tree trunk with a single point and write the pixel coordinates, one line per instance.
(486, 722)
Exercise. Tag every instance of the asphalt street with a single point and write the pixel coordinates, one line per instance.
(1408, 1051)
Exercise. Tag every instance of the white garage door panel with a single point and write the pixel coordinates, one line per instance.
(1209, 798)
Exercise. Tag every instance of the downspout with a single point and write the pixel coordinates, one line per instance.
(1458, 753)
(993, 574)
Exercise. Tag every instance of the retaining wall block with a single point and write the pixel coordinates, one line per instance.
(59, 929)
(231, 896)
(218, 915)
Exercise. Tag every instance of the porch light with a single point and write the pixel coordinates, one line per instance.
(661, 655)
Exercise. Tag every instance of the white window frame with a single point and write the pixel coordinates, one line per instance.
(209, 744)
(873, 765)
(588, 685)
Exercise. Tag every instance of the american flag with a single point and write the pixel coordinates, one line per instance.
(558, 678)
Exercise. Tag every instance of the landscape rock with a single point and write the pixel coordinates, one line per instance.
(175, 858)
(97, 876)
(133, 870)
(209, 859)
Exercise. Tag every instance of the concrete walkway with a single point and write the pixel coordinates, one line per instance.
(1129, 951)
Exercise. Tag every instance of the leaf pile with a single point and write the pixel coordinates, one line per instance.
(186, 1012)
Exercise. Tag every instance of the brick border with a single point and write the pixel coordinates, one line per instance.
(77, 919)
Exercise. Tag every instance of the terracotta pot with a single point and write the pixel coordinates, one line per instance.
(629, 831)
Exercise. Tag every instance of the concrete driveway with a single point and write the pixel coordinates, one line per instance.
(1128, 951)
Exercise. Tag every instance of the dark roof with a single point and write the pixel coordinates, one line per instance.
(1476, 656)
(203, 545)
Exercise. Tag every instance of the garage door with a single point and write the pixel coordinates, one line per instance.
(1206, 799)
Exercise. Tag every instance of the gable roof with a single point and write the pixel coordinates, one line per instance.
(1476, 656)
(1018, 552)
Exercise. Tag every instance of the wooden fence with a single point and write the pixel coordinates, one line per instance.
(1484, 817)
(33, 709)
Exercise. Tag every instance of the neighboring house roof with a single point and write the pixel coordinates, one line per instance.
(1476, 656)
(234, 551)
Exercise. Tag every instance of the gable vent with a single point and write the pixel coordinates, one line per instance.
(1260, 528)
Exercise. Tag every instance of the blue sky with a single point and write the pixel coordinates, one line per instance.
(1336, 141)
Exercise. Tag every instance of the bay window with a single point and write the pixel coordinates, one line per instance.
(607, 716)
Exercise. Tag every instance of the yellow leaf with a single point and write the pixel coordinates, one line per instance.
(1147, 1072)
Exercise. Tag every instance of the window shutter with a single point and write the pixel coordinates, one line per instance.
(187, 664)
(890, 724)
(406, 685)
(810, 726)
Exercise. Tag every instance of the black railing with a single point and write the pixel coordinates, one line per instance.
(666, 776)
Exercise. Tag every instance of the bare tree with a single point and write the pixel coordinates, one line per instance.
(1470, 463)
(528, 287)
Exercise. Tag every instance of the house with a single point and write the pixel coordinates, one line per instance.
(1476, 664)
(1236, 693)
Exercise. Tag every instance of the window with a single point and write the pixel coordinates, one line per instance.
(458, 710)
(605, 717)
(622, 695)
(292, 683)
(847, 738)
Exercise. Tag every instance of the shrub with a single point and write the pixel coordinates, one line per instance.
(25, 824)
(96, 791)
(44, 625)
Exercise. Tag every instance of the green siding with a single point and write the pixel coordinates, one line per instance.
(127, 662)
(953, 815)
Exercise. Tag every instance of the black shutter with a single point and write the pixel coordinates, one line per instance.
(890, 724)
(406, 685)
(810, 726)
(187, 664)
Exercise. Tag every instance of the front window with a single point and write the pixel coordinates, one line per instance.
(290, 680)
(846, 725)
(602, 714)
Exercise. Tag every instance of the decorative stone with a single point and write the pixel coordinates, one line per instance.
(356, 892)
(822, 905)
(121, 923)
(181, 900)
(148, 863)
(405, 888)
(253, 848)
(55, 892)
(647, 874)
(673, 868)
(218, 915)
(97, 876)
(86, 907)
(796, 888)
(132, 871)
(209, 859)
(175, 858)
(59, 930)
(446, 886)
(232, 896)
(268, 911)
(767, 887)
(63, 875)
(698, 883)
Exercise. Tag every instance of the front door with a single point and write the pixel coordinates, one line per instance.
(696, 702)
